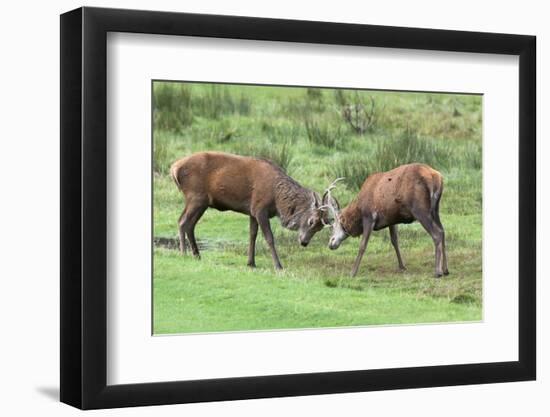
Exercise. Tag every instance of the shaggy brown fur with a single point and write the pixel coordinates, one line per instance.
(252, 186)
(402, 195)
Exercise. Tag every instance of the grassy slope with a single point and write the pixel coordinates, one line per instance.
(220, 293)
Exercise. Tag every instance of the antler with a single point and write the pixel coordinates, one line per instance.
(329, 205)
(332, 186)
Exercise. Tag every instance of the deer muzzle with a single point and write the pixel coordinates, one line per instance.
(333, 243)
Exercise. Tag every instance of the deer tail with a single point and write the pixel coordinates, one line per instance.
(174, 170)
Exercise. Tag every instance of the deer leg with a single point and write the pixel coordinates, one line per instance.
(263, 221)
(190, 229)
(181, 230)
(367, 229)
(444, 266)
(252, 244)
(395, 243)
(444, 250)
(438, 237)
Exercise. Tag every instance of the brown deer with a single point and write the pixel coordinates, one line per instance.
(252, 186)
(386, 199)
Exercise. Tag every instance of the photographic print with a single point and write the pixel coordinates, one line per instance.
(308, 197)
(281, 207)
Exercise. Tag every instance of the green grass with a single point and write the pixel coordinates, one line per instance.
(304, 131)
(218, 293)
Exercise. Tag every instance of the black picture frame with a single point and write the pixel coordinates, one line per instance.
(84, 207)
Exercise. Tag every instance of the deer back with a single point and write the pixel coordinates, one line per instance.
(392, 195)
(225, 181)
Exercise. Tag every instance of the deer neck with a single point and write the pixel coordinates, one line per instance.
(351, 220)
(292, 201)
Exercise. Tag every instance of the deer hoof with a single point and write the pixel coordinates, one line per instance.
(402, 269)
(251, 265)
(446, 272)
(438, 275)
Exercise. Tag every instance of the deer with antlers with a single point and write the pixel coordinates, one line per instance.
(404, 194)
(252, 186)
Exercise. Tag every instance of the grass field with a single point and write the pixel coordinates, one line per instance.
(315, 139)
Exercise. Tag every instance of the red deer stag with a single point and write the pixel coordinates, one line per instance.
(386, 199)
(251, 186)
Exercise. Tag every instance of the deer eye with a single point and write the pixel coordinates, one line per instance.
(310, 222)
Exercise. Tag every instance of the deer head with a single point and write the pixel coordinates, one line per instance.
(311, 221)
(331, 204)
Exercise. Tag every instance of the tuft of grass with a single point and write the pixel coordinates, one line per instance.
(161, 157)
(310, 103)
(463, 191)
(172, 108)
(314, 94)
(392, 152)
(281, 133)
(408, 148)
(348, 283)
(314, 101)
(464, 299)
(354, 170)
(324, 133)
(280, 154)
(175, 106)
(218, 101)
(472, 155)
(222, 130)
